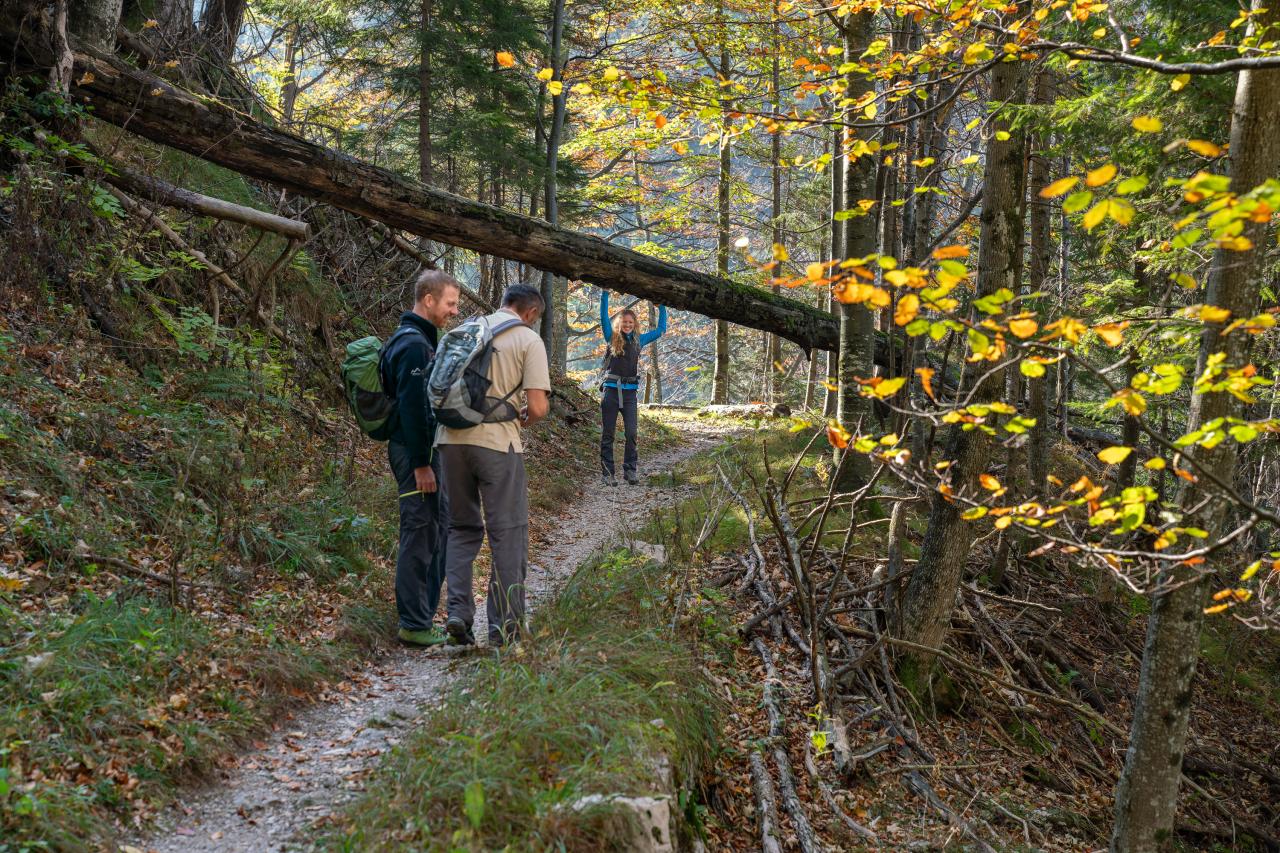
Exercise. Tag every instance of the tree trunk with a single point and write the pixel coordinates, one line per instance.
(925, 613)
(289, 86)
(830, 359)
(426, 93)
(655, 366)
(94, 22)
(120, 94)
(773, 344)
(857, 333)
(220, 24)
(720, 383)
(554, 316)
(1147, 795)
(1039, 260)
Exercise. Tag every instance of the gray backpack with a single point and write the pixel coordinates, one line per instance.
(458, 388)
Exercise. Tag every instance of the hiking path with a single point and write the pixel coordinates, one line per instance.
(320, 756)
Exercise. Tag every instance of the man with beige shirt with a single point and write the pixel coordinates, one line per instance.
(485, 479)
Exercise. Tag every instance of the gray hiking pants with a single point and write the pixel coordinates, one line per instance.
(424, 529)
(488, 493)
(612, 403)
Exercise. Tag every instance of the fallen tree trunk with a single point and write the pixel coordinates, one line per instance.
(167, 194)
(154, 108)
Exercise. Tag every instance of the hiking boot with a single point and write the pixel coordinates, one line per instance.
(608, 479)
(459, 632)
(432, 636)
(631, 478)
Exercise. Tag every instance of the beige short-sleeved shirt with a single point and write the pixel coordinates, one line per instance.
(519, 361)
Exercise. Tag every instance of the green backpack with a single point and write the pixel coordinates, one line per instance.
(365, 391)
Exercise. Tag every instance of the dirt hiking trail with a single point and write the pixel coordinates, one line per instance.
(321, 756)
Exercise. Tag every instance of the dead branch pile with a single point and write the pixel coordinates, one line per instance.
(1032, 693)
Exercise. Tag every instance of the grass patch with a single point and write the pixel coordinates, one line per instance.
(591, 704)
(743, 461)
(112, 691)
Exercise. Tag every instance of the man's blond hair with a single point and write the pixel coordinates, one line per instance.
(433, 282)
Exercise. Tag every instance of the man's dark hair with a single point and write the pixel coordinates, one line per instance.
(432, 282)
(522, 297)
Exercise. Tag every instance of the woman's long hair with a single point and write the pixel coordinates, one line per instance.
(617, 341)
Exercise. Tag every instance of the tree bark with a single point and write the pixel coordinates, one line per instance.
(220, 24)
(94, 21)
(555, 314)
(1039, 259)
(123, 95)
(773, 347)
(830, 360)
(425, 94)
(1147, 795)
(857, 333)
(720, 381)
(924, 616)
(167, 194)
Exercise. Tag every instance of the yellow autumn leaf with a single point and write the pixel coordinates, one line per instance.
(814, 272)
(1148, 124)
(555, 87)
(1235, 244)
(1131, 401)
(907, 309)
(610, 74)
(1096, 214)
(947, 253)
(837, 435)
(1177, 83)
(1023, 327)
(1114, 455)
(887, 387)
(546, 74)
(1112, 333)
(1204, 147)
(1154, 464)
(1120, 210)
(1059, 187)
(989, 482)
(505, 59)
(1214, 314)
(926, 381)
(1099, 176)
(680, 148)
(780, 253)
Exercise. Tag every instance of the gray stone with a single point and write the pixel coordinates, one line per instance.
(647, 824)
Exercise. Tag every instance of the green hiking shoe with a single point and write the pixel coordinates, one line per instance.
(432, 636)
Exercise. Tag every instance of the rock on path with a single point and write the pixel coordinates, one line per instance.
(319, 758)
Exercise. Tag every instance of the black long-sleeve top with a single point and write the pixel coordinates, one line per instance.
(406, 364)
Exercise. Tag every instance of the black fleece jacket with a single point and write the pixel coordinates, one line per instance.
(406, 364)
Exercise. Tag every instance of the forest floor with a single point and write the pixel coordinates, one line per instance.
(1019, 742)
(319, 758)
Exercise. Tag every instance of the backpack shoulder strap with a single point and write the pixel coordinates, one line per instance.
(399, 333)
(506, 324)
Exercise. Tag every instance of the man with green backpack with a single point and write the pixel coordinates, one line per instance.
(386, 387)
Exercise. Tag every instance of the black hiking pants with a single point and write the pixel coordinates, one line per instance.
(613, 402)
(424, 531)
